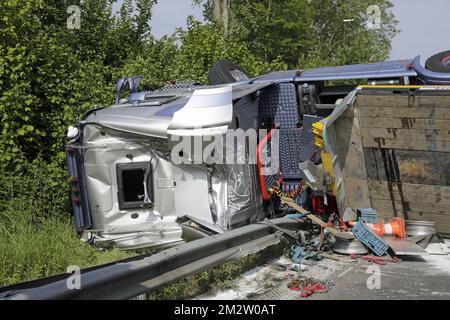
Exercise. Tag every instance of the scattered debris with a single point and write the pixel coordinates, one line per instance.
(301, 254)
(329, 256)
(297, 267)
(370, 239)
(423, 233)
(367, 215)
(396, 228)
(251, 283)
(402, 247)
(298, 236)
(315, 219)
(354, 246)
(420, 228)
(374, 259)
(437, 246)
(286, 263)
(349, 215)
(308, 286)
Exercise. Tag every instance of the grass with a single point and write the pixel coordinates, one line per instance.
(37, 237)
(30, 250)
(216, 279)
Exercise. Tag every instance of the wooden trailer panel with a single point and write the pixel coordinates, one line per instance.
(405, 139)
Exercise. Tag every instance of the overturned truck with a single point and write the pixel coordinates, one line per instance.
(208, 159)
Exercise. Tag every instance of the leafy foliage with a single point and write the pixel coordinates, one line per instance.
(50, 75)
(339, 43)
(309, 33)
(201, 45)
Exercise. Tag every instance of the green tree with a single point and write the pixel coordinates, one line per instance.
(305, 33)
(275, 28)
(339, 43)
(50, 75)
(189, 55)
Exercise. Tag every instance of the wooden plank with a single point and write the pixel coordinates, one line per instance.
(290, 202)
(405, 112)
(419, 198)
(404, 123)
(385, 100)
(387, 206)
(315, 219)
(407, 134)
(422, 202)
(397, 100)
(419, 145)
(406, 166)
(442, 101)
(442, 191)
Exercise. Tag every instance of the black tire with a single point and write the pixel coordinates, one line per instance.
(224, 71)
(439, 62)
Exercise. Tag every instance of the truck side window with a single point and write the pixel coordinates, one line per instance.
(130, 179)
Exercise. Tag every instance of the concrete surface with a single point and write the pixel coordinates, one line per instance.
(414, 278)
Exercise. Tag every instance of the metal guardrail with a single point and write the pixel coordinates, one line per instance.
(132, 278)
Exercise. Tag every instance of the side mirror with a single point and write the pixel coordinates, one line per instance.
(121, 85)
(130, 84)
(134, 83)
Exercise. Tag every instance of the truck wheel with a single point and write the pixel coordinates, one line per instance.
(439, 62)
(224, 71)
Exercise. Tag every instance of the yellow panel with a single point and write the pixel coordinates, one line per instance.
(327, 165)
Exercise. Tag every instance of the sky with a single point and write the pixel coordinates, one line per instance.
(425, 28)
(170, 14)
(424, 23)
